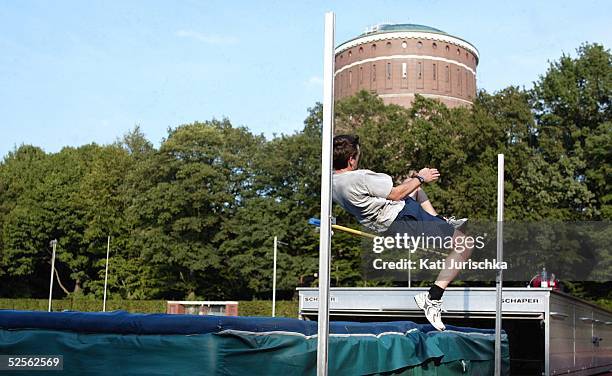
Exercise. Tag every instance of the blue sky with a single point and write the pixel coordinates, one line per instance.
(75, 72)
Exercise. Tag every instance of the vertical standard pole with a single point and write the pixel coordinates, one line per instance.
(274, 278)
(326, 177)
(106, 274)
(409, 271)
(54, 245)
(500, 255)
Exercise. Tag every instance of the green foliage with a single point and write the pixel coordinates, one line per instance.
(572, 105)
(197, 216)
(284, 308)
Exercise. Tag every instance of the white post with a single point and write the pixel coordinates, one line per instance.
(326, 177)
(500, 255)
(54, 245)
(106, 274)
(274, 278)
(409, 271)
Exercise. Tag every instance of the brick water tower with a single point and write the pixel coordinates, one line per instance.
(397, 61)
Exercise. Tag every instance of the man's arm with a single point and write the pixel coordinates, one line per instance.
(409, 185)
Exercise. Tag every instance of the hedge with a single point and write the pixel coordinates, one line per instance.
(284, 308)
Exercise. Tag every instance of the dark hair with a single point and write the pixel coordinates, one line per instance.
(345, 147)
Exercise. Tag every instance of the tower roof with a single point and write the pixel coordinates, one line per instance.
(385, 28)
(384, 31)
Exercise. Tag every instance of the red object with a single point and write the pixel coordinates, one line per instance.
(175, 309)
(231, 309)
(537, 282)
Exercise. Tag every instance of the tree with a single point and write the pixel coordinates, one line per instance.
(188, 189)
(571, 102)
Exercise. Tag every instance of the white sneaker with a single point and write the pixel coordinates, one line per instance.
(456, 223)
(432, 309)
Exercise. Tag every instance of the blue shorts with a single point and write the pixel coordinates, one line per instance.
(414, 220)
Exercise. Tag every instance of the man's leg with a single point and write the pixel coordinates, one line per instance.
(420, 196)
(431, 302)
(448, 274)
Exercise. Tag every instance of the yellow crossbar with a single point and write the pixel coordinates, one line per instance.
(353, 231)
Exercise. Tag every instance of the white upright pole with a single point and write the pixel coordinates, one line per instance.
(326, 177)
(500, 255)
(106, 274)
(54, 245)
(409, 271)
(274, 278)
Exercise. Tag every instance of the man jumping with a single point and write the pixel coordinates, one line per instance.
(384, 208)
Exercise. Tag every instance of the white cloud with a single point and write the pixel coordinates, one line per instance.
(207, 38)
(314, 81)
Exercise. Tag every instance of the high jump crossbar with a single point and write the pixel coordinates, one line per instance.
(317, 222)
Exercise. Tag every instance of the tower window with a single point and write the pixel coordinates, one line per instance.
(419, 44)
(404, 71)
(434, 45)
(434, 72)
(447, 74)
(374, 72)
(404, 44)
(419, 70)
(350, 78)
(388, 44)
(360, 50)
(374, 47)
(459, 81)
(360, 75)
(388, 71)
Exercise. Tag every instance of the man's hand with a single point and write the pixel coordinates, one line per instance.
(429, 174)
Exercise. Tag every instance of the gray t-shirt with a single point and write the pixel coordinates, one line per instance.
(363, 193)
